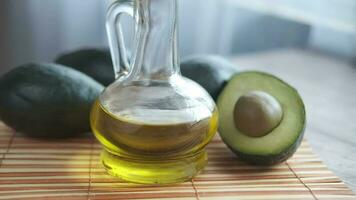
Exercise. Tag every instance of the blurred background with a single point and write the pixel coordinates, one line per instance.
(309, 43)
(38, 30)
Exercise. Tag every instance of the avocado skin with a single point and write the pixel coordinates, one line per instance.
(211, 72)
(47, 100)
(96, 63)
(270, 159)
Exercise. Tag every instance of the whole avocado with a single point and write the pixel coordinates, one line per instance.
(96, 63)
(211, 72)
(47, 100)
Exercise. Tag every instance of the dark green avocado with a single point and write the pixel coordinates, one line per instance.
(211, 72)
(96, 63)
(47, 100)
(262, 118)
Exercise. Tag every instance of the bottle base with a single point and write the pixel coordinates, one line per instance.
(154, 172)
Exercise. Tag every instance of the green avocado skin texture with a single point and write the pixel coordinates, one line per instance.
(211, 72)
(270, 159)
(96, 63)
(47, 100)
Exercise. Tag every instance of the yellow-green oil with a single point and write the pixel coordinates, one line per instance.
(152, 153)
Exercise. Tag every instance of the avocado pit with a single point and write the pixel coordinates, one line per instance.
(257, 113)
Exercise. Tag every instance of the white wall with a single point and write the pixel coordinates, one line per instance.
(38, 30)
(333, 22)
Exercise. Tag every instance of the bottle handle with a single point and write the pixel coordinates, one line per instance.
(122, 65)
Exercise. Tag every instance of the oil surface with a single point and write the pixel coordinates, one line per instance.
(154, 146)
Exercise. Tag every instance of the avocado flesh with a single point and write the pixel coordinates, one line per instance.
(282, 141)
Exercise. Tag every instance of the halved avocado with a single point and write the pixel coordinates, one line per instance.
(262, 118)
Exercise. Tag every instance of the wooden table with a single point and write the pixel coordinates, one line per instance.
(35, 169)
(328, 87)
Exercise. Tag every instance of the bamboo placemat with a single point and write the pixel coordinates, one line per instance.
(70, 170)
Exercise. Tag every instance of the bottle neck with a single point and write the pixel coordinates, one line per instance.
(159, 56)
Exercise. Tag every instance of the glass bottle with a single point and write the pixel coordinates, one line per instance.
(154, 124)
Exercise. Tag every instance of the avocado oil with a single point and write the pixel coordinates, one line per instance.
(153, 146)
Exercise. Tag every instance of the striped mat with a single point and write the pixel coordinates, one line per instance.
(70, 170)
